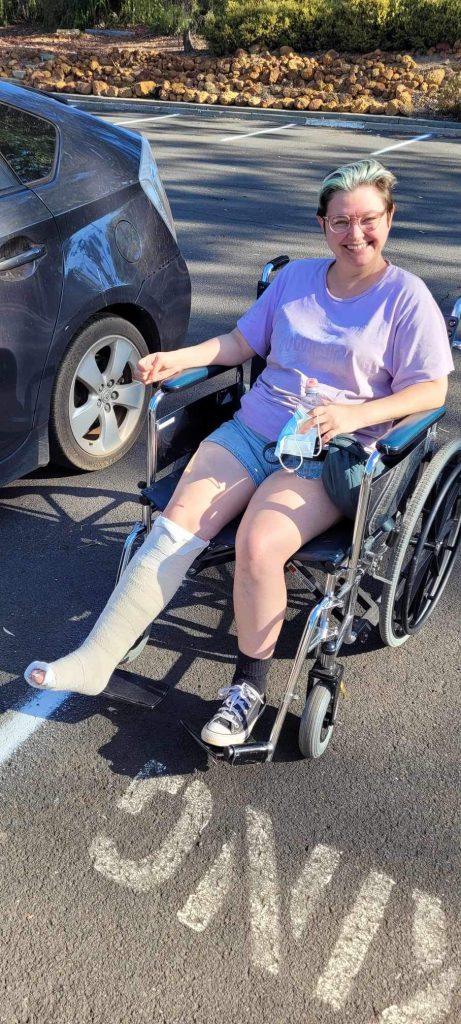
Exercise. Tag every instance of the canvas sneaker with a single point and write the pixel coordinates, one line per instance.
(236, 717)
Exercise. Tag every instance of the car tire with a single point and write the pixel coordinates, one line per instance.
(97, 408)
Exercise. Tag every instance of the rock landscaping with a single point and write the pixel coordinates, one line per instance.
(373, 83)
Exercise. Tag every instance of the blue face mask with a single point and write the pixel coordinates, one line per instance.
(301, 446)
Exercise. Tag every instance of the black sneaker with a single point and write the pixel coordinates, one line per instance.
(236, 717)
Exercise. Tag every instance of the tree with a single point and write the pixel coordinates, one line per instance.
(188, 12)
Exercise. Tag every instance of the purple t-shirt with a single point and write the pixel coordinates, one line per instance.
(365, 347)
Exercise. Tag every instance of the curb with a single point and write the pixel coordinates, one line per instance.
(368, 122)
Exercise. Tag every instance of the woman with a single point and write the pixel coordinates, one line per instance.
(375, 340)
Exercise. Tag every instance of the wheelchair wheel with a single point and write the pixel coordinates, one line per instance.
(132, 544)
(315, 728)
(426, 549)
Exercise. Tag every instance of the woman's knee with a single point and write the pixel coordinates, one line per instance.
(258, 551)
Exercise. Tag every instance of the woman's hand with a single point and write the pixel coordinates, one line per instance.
(158, 366)
(332, 419)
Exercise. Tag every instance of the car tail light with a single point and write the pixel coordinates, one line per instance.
(149, 179)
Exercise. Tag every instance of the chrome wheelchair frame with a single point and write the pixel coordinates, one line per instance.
(454, 325)
(406, 535)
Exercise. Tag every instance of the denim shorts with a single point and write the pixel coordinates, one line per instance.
(341, 471)
(248, 447)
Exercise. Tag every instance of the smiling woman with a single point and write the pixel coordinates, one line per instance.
(347, 347)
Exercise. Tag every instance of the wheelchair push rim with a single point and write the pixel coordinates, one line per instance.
(434, 555)
(425, 553)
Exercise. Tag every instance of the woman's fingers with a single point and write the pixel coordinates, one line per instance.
(151, 368)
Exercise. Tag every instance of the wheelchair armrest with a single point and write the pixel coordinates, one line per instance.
(190, 377)
(408, 432)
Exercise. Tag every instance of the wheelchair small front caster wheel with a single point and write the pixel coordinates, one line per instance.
(315, 727)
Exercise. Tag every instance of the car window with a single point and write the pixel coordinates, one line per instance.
(27, 142)
(7, 178)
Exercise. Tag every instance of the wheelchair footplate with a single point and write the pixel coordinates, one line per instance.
(237, 753)
(135, 689)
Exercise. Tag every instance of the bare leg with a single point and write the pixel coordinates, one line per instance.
(213, 489)
(283, 515)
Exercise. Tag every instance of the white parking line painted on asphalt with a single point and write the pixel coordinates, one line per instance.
(147, 783)
(140, 120)
(203, 904)
(262, 131)
(430, 1006)
(151, 871)
(17, 726)
(429, 931)
(264, 895)
(308, 890)
(399, 145)
(357, 934)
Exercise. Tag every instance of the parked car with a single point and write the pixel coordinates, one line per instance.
(91, 279)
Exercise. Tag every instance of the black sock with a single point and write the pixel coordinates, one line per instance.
(253, 671)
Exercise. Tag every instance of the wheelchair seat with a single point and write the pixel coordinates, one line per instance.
(327, 551)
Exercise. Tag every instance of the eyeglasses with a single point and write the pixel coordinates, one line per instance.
(340, 225)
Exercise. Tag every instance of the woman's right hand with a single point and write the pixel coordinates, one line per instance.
(158, 366)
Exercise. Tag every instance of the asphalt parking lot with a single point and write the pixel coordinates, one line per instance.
(139, 885)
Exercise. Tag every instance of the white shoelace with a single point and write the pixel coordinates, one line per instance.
(239, 699)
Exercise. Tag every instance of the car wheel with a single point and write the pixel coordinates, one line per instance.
(97, 408)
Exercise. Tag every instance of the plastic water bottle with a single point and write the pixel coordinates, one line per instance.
(311, 399)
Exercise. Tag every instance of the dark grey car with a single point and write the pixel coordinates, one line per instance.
(91, 278)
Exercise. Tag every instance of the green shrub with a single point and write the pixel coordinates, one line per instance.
(165, 17)
(241, 23)
(418, 24)
(54, 14)
(345, 25)
(349, 25)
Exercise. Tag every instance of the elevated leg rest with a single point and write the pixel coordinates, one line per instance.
(132, 688)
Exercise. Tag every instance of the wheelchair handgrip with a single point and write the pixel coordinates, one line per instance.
(408, 432)
(185, 380)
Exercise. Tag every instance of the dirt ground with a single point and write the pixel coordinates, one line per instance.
(139, 37)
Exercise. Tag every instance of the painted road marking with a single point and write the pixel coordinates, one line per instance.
(262, 131)
(203, 904)
(151, 871)
(428, 1007)
(17, 726)
(308, 890)
(399, 145)
(429, 931)
(264, 894)
(139, 120)
(152, 779)
(357, 934)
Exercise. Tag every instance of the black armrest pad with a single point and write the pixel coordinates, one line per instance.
(190, 377)
(408, 432)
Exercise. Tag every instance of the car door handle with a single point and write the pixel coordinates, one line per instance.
(23, 257)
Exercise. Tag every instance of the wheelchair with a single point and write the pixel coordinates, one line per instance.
(403, 542)
(454, 325)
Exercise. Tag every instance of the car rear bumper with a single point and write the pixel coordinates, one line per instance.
(32, 453)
